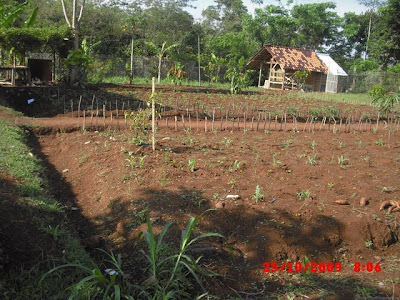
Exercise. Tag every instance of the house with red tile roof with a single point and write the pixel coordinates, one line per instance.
(278, 65)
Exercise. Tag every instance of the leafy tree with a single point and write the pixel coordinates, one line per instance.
(273, 25)
(316, 24)
(385, 38)
(372, 5)
(160, 53)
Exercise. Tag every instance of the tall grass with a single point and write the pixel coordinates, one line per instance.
(169, 272)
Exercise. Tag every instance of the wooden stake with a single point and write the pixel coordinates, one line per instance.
(285, 123)
(252, 123)
(84, 121)
(176, 123)
(183, 122)
(213, 119)
(104, 116)
(117, 116)
(226, 119)
(97, 116)
(79, 106)
(377, 123)
(205, 124)
(72, 108)
(111, 116)
(305, 125)
(197, 120)
(153, 113)
(190, 123)
(269, 121)
(276, 121)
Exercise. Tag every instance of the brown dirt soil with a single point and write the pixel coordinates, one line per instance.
(107, 185)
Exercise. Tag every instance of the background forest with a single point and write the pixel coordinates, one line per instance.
(104, 34)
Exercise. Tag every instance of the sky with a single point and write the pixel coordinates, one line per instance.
(342, 6)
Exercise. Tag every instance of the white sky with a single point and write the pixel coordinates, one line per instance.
(342, 6)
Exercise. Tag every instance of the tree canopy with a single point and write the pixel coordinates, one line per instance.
(227, 30)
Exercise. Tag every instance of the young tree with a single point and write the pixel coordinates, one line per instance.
(160, 53)
(75, 19)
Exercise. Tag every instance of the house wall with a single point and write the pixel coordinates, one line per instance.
(315, 81)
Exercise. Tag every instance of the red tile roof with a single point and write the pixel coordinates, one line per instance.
(290, 58)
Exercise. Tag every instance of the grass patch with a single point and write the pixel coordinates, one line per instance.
(46, 227)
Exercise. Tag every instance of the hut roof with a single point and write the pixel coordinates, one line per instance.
(289, 58)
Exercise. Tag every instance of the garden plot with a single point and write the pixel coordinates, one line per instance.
(305, 194)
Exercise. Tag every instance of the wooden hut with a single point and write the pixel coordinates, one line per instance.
(278, 65)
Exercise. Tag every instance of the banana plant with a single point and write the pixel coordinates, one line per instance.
(160, 53)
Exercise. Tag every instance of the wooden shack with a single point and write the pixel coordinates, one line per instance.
(277, 66)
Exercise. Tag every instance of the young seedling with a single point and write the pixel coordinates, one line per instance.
(314, 144)
(380, 142)
(141, 162)
(312, 160)
(286, 144)
(275, 161)
(236, 166)
(342, 160)
(258, 194)
(232, 182)
(227, 142)
(191, 165)
(302, 195)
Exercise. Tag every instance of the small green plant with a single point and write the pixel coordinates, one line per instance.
(141, 162)
(232, 182)
(110, 283)
(275, 161)
(236, 166)
(385, 100)
(343, 160)
(312, 160)
(330, 185)
(191, 165)
(227, 142)
(164, 180)
(138, 140)
(302, 195)
(369, 244)
(286, 144)
(84, 158)
(258, 194)
(380, 142)
(360, 143)
(374, 130)
(131, 161)
(341, 145)
(314, 144)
